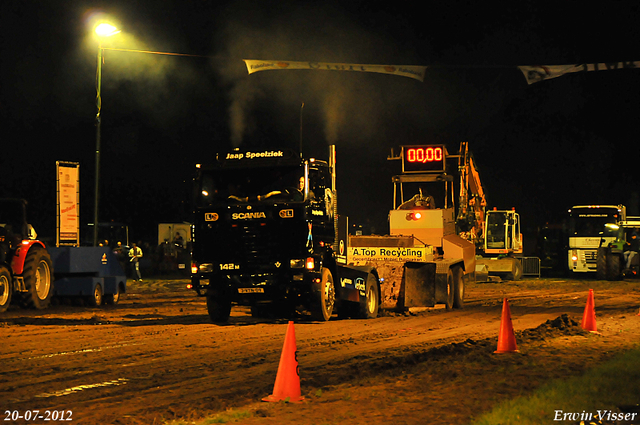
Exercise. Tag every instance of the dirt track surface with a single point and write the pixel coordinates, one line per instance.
(155, 356)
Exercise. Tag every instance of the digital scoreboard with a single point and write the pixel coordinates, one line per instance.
(423, 158)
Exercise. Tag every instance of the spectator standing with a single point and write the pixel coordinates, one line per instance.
(135, 253)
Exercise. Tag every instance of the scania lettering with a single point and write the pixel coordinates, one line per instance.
(247, 216)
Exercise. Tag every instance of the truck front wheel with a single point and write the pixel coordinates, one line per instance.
(219, 308)
(324, 298)
(6, 288)
(38, 278)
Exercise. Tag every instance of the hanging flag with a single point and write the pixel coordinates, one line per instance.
(411, 71)
(533, 74)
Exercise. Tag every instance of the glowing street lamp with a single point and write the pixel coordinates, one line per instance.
(106, 30)
(103, 30)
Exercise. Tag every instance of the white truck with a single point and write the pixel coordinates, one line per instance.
(591, 227)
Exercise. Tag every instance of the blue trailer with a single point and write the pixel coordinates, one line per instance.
(92, 273)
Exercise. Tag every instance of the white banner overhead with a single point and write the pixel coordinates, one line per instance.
(411, 71)
(533, 74)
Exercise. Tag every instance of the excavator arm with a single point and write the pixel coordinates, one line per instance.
(472, 202)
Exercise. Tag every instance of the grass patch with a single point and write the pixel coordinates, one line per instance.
(605, 387)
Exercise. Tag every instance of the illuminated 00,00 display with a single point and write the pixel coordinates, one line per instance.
(424, 154)
(424, 158)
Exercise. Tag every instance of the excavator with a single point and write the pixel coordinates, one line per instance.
(496, 233)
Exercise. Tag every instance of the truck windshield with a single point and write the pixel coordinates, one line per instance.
(249, 185)
(587, 222)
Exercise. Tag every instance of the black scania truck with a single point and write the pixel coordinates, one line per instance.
(267, 234)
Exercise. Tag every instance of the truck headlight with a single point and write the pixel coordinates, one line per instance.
(297, 263)
(205, 268)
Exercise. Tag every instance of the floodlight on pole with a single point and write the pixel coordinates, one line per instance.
(103, 30)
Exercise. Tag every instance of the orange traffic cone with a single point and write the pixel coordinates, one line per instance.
(589, 316)
(506, 339)
(287, 386)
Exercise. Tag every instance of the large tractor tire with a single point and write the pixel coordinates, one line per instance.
(601, 263)
(324, 298)
(38, 278)
(614, 266)
(219, 307)
(369, 308)
(6, 288)
(458, 287)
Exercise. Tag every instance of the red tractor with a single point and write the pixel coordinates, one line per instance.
(26, 271)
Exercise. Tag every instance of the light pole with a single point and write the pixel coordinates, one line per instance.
(102, 30)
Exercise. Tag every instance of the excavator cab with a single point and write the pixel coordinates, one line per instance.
(502, 232)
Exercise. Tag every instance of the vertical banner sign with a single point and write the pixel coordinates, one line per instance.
(68, 220)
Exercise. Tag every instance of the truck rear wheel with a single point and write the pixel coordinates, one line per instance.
(458, 287)
(324, 298)
(369, 309)
(38, 278)
(219, 308)
(6, 288)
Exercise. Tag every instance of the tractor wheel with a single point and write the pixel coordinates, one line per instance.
(601, 263)
(324, 298)
(614, 266)
(219, 308)
(458, 287)
(6, 288)
(95, 300)
(369, 308)
(38, 278)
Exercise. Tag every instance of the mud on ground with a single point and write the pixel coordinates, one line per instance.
(155, 357)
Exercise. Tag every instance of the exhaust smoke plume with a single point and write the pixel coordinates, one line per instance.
(350, 106)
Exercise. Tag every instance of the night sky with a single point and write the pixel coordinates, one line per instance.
(540, 148)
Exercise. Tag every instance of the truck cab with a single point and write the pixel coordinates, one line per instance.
(264, 232)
